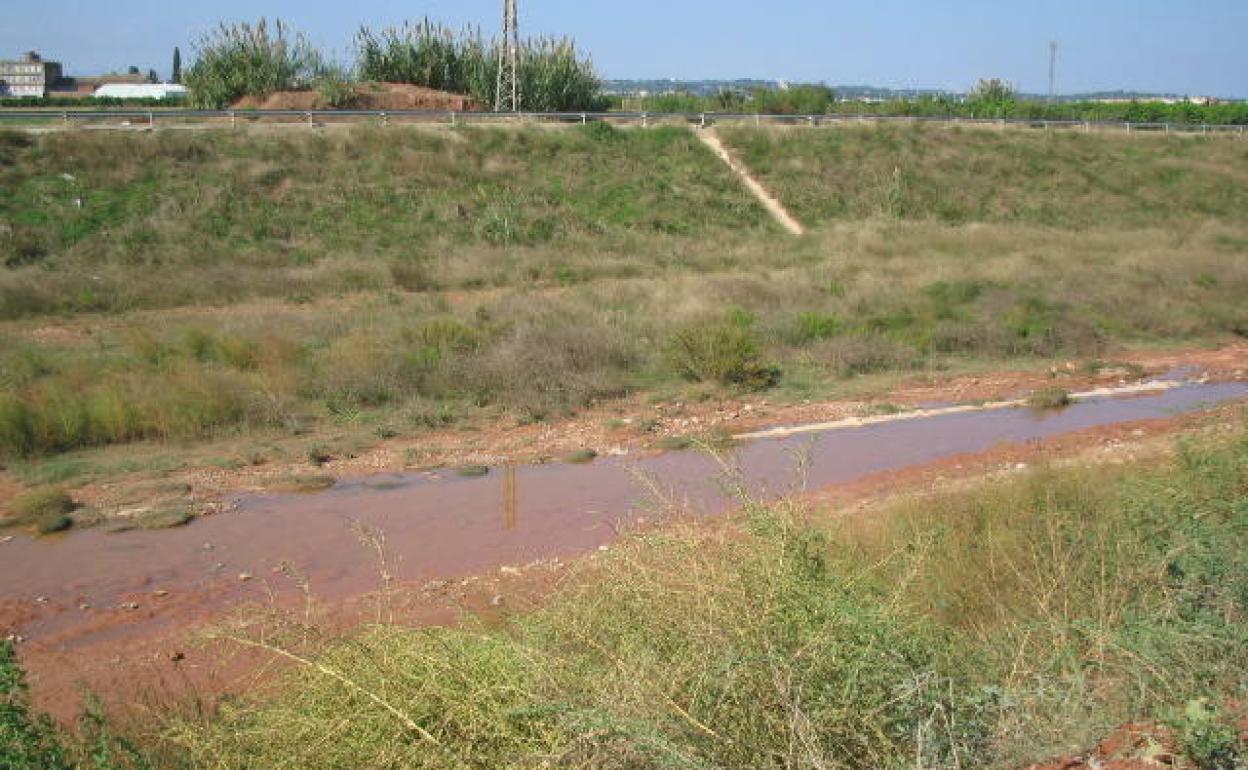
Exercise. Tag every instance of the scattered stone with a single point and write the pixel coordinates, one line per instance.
(509, 570)
(244, 576)
(177, 656)
(604, 548)
(84, 607)
(41, 600)
(6, 538)
(218, 566)
(497, 600)
(14, 639)
(160, 594)
(207, 546)
(129, 605)
(1020, 467)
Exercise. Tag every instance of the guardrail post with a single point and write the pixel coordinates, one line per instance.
(453, 124)
(584, 118)
(1087, 127)
(645, 120)
(758, 120)
(703, 120)
(151, 119)
(65, 117)
(1129, 126)
(385, 119)
(233, 119)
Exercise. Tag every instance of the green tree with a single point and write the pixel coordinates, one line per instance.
(993, 95)
(176, 77)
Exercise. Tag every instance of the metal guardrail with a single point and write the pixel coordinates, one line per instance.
(319, 117)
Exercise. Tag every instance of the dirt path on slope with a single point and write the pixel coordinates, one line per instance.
(774, 207)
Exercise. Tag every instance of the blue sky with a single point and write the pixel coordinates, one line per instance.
(1180, 46)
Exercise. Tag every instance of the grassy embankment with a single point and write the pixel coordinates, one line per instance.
(274, 294)
(986, 627)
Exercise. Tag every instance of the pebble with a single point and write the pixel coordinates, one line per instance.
(1020, 467)
(41, 600)
(244, 576)
(129, 605)
(208, 546)
(177, 657)
(509, 570)
(15, 639)
(496, 601)
(84, 607)
(6, 538)
(160, 594)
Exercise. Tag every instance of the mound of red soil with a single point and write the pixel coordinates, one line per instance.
(369, 96)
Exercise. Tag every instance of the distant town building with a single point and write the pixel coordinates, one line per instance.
(28, 76)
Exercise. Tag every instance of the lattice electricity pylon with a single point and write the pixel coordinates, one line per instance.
(507, 95)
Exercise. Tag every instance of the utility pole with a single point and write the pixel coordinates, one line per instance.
(507, 96)
(1053, 71)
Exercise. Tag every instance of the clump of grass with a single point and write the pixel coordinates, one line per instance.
(581, 457)
(242, 59)
(554, 76)
(41, 503)
(300, 484)
(1047, 399)
(473, 471)
(50, 523)
(674, 443)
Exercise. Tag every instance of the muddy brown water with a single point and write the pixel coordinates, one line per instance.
(443, 525)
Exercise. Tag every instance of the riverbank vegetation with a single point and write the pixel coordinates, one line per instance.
(989, 626)
(380, 282)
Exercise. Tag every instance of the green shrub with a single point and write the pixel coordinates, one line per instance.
(1049, 398)
(44, 502)
(720, 351)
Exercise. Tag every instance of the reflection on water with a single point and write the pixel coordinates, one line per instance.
(509, 497)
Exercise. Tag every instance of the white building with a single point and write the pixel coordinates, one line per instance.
(28, 76)
(140, 91)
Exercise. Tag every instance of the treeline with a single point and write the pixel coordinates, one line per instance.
(797, 100)
(821, 100)
(89, 101)
(1235, 113)
(237, 60)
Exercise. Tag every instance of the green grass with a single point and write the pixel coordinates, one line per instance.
(219, 216)
(986, 628)
(318, 290)
(957, 175)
